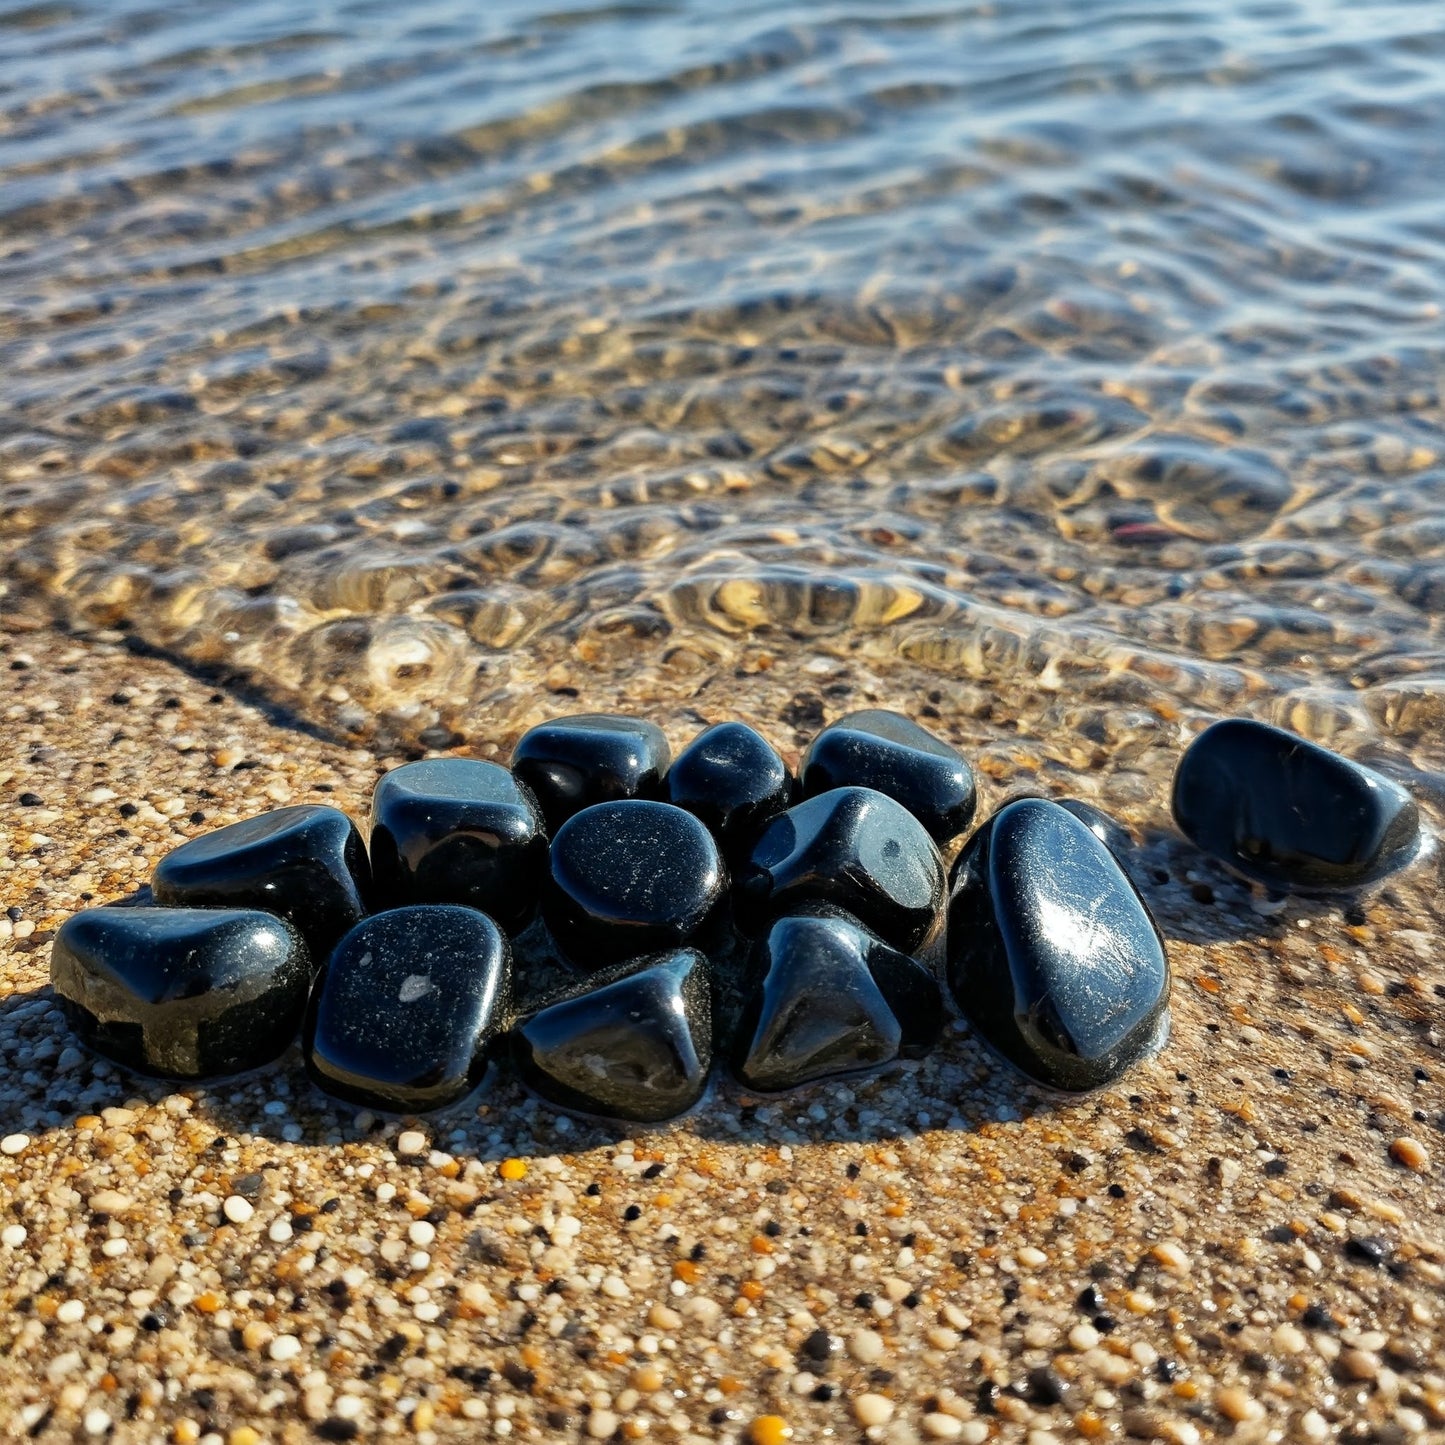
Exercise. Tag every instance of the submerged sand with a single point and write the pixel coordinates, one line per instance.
(1257, 1211)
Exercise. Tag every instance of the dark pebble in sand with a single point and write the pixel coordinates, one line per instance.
(894, 755)
(733, 779)
(457, 830)
(571, 763)
(857, 849)
(832, 998)
(1289, 813)
(307, 864)
(631, 878)
(637, 1045)
(1052, 954)
(402, 1015)
(184, 992)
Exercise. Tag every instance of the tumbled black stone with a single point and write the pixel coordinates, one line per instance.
(307, 864)
(894, 755)
(854, 848)
(402, 1015)
(457, 830)
(1290, 813)
(733, 779)
(630, 878)
(1052, 954)
(571, 763)
(1109, 831)
(832, 998)
(636, 1045)
(185, 992)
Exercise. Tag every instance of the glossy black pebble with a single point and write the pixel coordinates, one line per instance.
(631, 878)
(637, 1045)
(1290, 813)
(457, 830)
(1052, 954)
(894, 755)
(307, 864)
(186, 992)
(733, 779)
(856, 849)
(571, 763)
(833, 998)
(401, 1016)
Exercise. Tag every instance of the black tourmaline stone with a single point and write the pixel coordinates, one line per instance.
(631, 878)
(571, 763)
(307, 864)
(1290, 813)
(833, 998)
(401, 1016)
(637, 1045)
(1052, 953)
(185, 992)
(733, 779)
(456, 830)
(892, 754)
(856, 849)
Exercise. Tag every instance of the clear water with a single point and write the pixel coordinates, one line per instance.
(1083, 359)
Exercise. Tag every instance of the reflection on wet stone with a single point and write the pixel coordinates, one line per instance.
(1052, 954)
(570, 763)
(731, 778)
(186, 992)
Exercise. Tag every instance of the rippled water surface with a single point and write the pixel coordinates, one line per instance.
(1085, 355)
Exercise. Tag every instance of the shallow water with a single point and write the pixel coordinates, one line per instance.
(1082, 360)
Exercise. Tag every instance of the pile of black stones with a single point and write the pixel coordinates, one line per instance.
(611, 920)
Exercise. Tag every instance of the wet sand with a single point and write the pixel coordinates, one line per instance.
(251, 1261)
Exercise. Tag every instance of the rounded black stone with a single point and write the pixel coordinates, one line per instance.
(832, 998)
(1052, 954)
(306, 864)
(572, 763)
(457, 830)
(1290, 813)
(185, 992)
(894, 755)
(631, 878)
(732, 778)
(402, 1014)
(854, 848)
(636, 1045)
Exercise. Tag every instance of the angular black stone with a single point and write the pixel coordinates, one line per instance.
(1290, 813)
(856, 849)
(733, 779)
(189, 993)
(1052, 954)
(631, 878)
(457, 830)
(571, 763)
(636, 1045)
(833, 998)
(306, 864)
(894, 755)
(402, 1015)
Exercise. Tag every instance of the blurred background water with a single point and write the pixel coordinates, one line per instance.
(1082, 359)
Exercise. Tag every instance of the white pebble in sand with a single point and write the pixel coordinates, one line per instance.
(14, 1143)
(96, 1422)
(12, 1236)
(284, 1347)
(238, 1210)
(412, 1141)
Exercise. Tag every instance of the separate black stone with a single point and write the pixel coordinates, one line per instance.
(892, 754)
(402, 1015)
(854, 848)
(456, 830)
(833, 998)
(185, 992)
(571, 763)
(1052, 953)
(637, 1045)
(631, 878)
(733, 779)
(306, 864)
(1290, 813)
